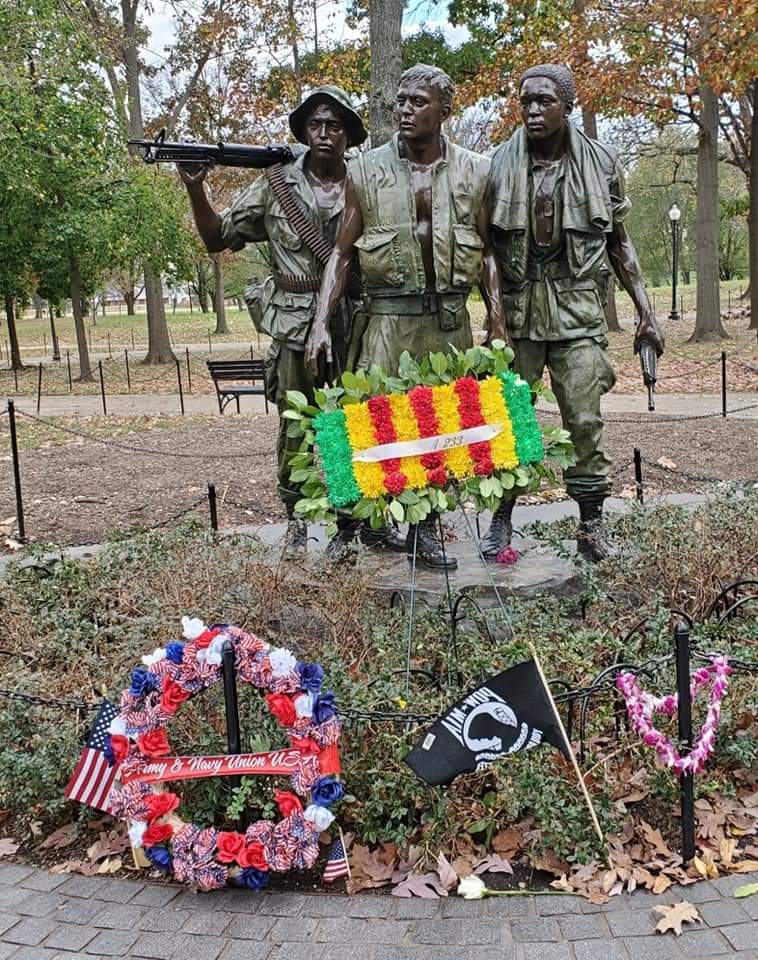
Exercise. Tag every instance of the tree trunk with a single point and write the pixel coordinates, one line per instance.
(158, 340)
(158, 344)
(10, 316)
(385, 43)
(85, 371)
(218, 295)
(202, 289)
(54, 333)
(38, 303)
(752, 219)
(129, 299)
(708, 327)
(293, 31)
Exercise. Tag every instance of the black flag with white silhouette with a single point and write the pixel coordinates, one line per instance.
(508, 713)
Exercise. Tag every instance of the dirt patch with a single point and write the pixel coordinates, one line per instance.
(85, 491)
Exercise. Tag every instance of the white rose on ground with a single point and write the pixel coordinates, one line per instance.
(192, 627)
(136, 833)
(282, 661)
(471, 888)
(320, 817)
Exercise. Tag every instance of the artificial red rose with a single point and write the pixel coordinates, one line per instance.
(230, 845)
(120, 747)
(254, 855)
(173, 695)
(160, 804)
(484, 468)
(437, 476)
(287, 802)
(154, 744)
(156, 833)
(395, 482)
(306, 746)
(206, 637)
(282, 708)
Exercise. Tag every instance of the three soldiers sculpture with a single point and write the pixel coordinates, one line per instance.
(535, 227)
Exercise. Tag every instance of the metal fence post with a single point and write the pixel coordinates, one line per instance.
(39, 388)
(723, 383)
(638, 475)
(128, 375)
(68, 366)
(16, 472)
(102, 385)
(212, 508)
(684, 714)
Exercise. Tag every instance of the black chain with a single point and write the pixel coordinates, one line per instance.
(145, 451)
(153, 526)
(695, 476)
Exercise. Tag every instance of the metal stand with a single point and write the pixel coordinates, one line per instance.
(16, 472)
(231, 707)
(453, 618)
(410, 613)
(687, 785)
(212, 508)
(638, 475)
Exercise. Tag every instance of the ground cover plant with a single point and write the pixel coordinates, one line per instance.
(73, 631)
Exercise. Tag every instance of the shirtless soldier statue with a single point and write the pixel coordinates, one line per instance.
(327, 124)
(557, 215)
(414, 210)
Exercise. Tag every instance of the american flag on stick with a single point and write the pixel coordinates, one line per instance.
(336, 864)
(93, 777)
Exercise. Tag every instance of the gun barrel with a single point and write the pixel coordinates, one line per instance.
(223, 154)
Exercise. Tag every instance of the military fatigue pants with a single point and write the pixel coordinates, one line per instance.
(580, 373)
(387, 335)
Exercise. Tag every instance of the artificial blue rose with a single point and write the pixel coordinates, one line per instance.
(159, 857)
(252, 879)
(326, 791)
(311, 676)
(323, 708)
(142, 682)
(175, 652)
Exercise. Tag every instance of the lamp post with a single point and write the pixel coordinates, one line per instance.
(674, 216)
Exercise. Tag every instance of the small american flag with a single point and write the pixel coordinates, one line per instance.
(336, 864)
(93, 777)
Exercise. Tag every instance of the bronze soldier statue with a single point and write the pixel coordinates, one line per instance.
(415, 211)
(557, 209)
(297, 208)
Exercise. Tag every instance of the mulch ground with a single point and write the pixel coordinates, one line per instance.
(84, 491)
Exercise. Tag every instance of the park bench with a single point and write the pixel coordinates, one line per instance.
(236, 378)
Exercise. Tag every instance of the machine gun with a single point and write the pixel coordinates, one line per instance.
(649, 364)
(161, 150)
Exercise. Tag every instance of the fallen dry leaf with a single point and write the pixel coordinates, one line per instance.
(654, 838)
(448, 876)
(427, 886)
(507, 842)
(8, 846)
(493, 864)
(672, 917)
(110, 865)
(551, 863)
(60, 838)
(744, 866)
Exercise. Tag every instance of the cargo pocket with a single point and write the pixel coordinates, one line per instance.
(271, 373)
(467, 256)
(377, 251)
(579, 305)
(514, 306)
(282, 233)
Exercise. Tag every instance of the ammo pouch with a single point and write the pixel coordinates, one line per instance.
(453, 311)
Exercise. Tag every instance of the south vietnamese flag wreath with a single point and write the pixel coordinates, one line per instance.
(205, 857)
(457, 425)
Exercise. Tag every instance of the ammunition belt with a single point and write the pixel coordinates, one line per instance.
(291, 284)
(303, 227)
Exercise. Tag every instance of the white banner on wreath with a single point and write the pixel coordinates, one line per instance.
(416, 448)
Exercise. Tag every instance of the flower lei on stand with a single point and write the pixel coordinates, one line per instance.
(206, 857)
(641, 706)
(340, 466)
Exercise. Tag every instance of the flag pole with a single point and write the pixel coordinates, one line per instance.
(347, 859)
(574, 761)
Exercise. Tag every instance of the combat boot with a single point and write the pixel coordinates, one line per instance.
(296, 538)
(387, 537)
(428, 550)
(341, 548)
(500, 531)
(590, 542)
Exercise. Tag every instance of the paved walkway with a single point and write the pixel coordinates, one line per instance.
(149, 404)
(58, 917)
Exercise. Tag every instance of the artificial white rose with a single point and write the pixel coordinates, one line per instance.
(215, 652)
(304, 705)
(150, 658)
(320, 817)
(192, 627)
(472, 888)
(117, 726)
(136, 832)
(282, 661)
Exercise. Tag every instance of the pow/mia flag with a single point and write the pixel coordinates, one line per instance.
(508, 713)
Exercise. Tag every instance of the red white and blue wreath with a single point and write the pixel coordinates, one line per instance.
(137, 740)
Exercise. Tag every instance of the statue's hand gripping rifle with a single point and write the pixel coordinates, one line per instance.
(649, 364)
(161, 150)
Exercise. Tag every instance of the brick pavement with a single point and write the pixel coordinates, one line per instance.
(62, 917)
